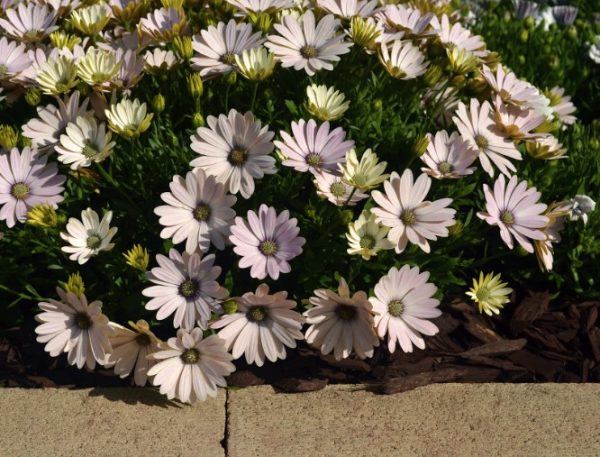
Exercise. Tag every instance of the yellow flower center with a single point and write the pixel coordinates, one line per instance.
(314, 160)
(396, 308)
(189, 288)
(20, 190)
(268, 247)
(237, 157)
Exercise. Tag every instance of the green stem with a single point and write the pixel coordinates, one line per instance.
(109, 179)
(350, 196)
(19, 294)
(254, 92)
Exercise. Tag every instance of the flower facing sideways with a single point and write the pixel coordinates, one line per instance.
(128, 118)
(84, 142)
(490, 293)
(338, 192)
(365, 174)
(366, 237)
(448, 156)
(326, 103)
(190, 367)
(263, 326)
(89, 236)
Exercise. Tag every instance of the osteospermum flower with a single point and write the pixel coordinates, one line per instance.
(336, 190)
(186, 284)
(30, 22)
(159, 60)
(448, 156)
(562, 105)
(251, 7)
(403, 60)
(348, 8)
(594, 51)
(516, 122)
(98, 68)
(516, 210)
(307, 46)
(132, 350)
(402, 304)
(235, 148)
(511, 89)
(26, 181)
(163, 24)
(325, 103)
(410, 217)
(13, 58)
(217, 47)
(73, 326)
(341, 323)
(365, 174)
(263, 326)
(366, 237)
(57, 76)
(84, 141)
(581, 207)
(490, 293)
(476, 127)
(46, 129)
(365, 32)
(197, 211)
(314, 149)
(137, 257)
(91, 20)
(546, 148)
(457, 36)
(191, 368)
(557, 214)
(409, 21)
(266, 241)
(255, 64)
(128, 118)
(89, 236)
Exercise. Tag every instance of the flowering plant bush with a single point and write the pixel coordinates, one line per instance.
(232, 178)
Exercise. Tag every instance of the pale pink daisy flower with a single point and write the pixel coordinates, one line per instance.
(506, 84)
(88, 237)
(26, 181)
(477, 127)
(347, 9)
(186, 284)
(160, 60)
(37, 58)
(341, 323)
(266, 242)
(130, 350)
(457, 36)
(197, 211)
(516, 210)
(515, 122)
(402, 18)
(307, 46)
(191, 368)
(402, 60)
(131, 69)
(29, 22)
(263, 326)
(402, 304)
(410, 217)
(333, 188)
(63, 7)
(75, 327)
(562, 105)
(448, 156)
(250, 7)
(314, 149)
(235, 148)
(46, 129)
(163, 24)
(13, 58)
(216, 47)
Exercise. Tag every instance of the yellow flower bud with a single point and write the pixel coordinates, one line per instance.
(75, 284)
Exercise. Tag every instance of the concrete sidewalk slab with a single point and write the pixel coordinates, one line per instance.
(115, 422)
(538, 420)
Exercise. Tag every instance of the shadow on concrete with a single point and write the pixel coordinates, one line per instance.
(135, 396)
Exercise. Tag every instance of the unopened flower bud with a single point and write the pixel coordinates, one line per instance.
(158, 103)
(9, 137)
(198, 120)
(433, 74)
(195, 85)
(231, 78)
(33, 96)
(230, 306)
(420, 146)
(183, 46)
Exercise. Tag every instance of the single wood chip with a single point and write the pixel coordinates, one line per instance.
(495, 348)
(530, 308)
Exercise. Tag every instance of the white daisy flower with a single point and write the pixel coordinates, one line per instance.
(326, 103)
(13, 58)
(403, 61)
(263, 326)
(448, 157)
(235, 149)
(347, 9)
(159, 60)
(98, 68)
(30, 22)
(197, 211)
(90, 20)
(365, 174)
(366, 237)
(191, 368)
(89, 236)
(128, 118)
(255, 64)
(75, 327)
(57, 76)
(84, 141)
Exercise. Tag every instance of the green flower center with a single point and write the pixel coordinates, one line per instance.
(83, 321)
(100, 77)
(142, 339)
(397, 72)
(268, 247)
(308, 52)
(202, 212)
(481, 142)
(408, 217)
(314, 160)
(189, 288)
(338, 189)
(93, 241)
(345, 312)
(483, 294)
(190, 356)
(61, 87)
(445, 167)
(20, 190)
(3, 69)
(507, 217)
(367, 242)
(237, 157)
(396, 308)
(257, 314)
(228, 58)
(89, 150)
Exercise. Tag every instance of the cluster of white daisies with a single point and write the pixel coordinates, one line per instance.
(234, 150)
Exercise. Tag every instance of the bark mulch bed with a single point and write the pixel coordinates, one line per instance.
(529, 342)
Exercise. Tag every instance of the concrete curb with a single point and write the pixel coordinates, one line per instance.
(439, 420)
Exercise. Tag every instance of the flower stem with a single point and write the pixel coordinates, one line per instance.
(350, 196)
(254, 92)
(109, 179)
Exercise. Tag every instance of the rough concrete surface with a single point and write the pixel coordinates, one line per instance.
(113, 422)
(538, 420)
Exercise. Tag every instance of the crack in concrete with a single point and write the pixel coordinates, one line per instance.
(225, 440)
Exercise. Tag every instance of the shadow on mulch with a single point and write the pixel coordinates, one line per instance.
(529, 342)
